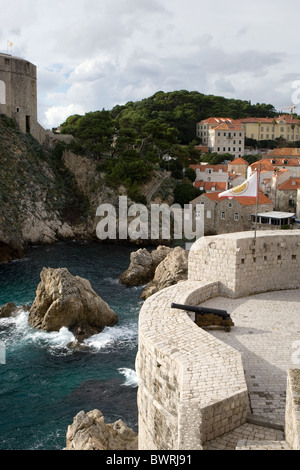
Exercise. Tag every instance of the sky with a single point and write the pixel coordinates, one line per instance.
(95, 54)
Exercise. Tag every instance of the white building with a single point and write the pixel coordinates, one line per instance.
(227, 138)
(222, 135)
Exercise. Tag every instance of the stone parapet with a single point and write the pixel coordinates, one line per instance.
(245, 265)
(191, 385)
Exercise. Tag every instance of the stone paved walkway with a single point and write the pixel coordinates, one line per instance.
(266, 332)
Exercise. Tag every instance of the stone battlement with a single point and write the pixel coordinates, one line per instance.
(192, 386)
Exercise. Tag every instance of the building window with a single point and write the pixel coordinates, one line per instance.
(236, 216)
(230, 204)
(208, 214)
(223, 215)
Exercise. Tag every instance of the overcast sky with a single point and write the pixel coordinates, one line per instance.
(94, 54)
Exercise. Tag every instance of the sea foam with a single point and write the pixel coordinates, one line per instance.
(131, 379)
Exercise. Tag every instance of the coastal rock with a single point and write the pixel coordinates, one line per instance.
(63, 300)
(142, 265)
(90, 432)
(10, 309)
(173, 269)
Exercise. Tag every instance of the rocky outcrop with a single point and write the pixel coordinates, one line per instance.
(63, 300)
(173, 269)
(10, 309)
(90, 432)
(142, 265)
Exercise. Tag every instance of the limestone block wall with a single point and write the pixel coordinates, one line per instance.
(245, 265)
(292, 414)
(191, 386)
(18, 94)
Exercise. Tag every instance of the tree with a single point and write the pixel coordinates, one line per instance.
(190, 174)
(185, 192)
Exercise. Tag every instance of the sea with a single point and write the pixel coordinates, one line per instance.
(45, 382)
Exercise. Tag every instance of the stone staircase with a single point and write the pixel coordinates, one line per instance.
(256, 434)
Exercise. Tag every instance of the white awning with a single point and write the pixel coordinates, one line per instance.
(276, 214)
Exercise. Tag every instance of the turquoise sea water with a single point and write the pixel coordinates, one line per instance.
(44, 382)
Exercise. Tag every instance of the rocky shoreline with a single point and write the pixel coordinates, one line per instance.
(163, 267)
(63, 300)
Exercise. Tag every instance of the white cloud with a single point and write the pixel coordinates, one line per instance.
(93, 54)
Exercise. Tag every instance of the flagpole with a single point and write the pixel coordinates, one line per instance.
(257, 195)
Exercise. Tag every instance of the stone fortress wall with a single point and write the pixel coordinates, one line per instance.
(192, 386)
(18, 94)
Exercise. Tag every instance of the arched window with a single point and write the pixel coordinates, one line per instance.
(2, 93)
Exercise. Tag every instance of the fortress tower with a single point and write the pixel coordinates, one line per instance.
(18, 94)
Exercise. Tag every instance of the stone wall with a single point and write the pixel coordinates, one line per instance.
(18, 99)
(245, 265)
(192, 386)
(292, 415)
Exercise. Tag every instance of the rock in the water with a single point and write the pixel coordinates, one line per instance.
(142, 266)
(173, 269)
(7, 310)
(90, 432)
(11, 309)
(63, 300)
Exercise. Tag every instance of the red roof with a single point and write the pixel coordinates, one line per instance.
(285, 152)
(217, 120)
(244, 201)
(239, 161)
(229, 126)
(264, 165)
(292, 183)
(288, 119)
(208, 185)
(204, 167)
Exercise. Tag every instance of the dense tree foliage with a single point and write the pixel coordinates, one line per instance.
(129, 141)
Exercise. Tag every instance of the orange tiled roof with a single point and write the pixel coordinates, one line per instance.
(239, 161)
(216, 120)
(208, 185)
(216, 168)
(292, 183)
(264, 165)
(288, 119)
(285, 152)
(244, 201)
(229, 126)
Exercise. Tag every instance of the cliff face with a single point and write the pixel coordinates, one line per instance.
(40, 201)
(49, 195)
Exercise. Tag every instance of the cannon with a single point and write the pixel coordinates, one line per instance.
(207, 316)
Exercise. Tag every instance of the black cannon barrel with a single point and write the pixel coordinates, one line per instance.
(202, 310)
